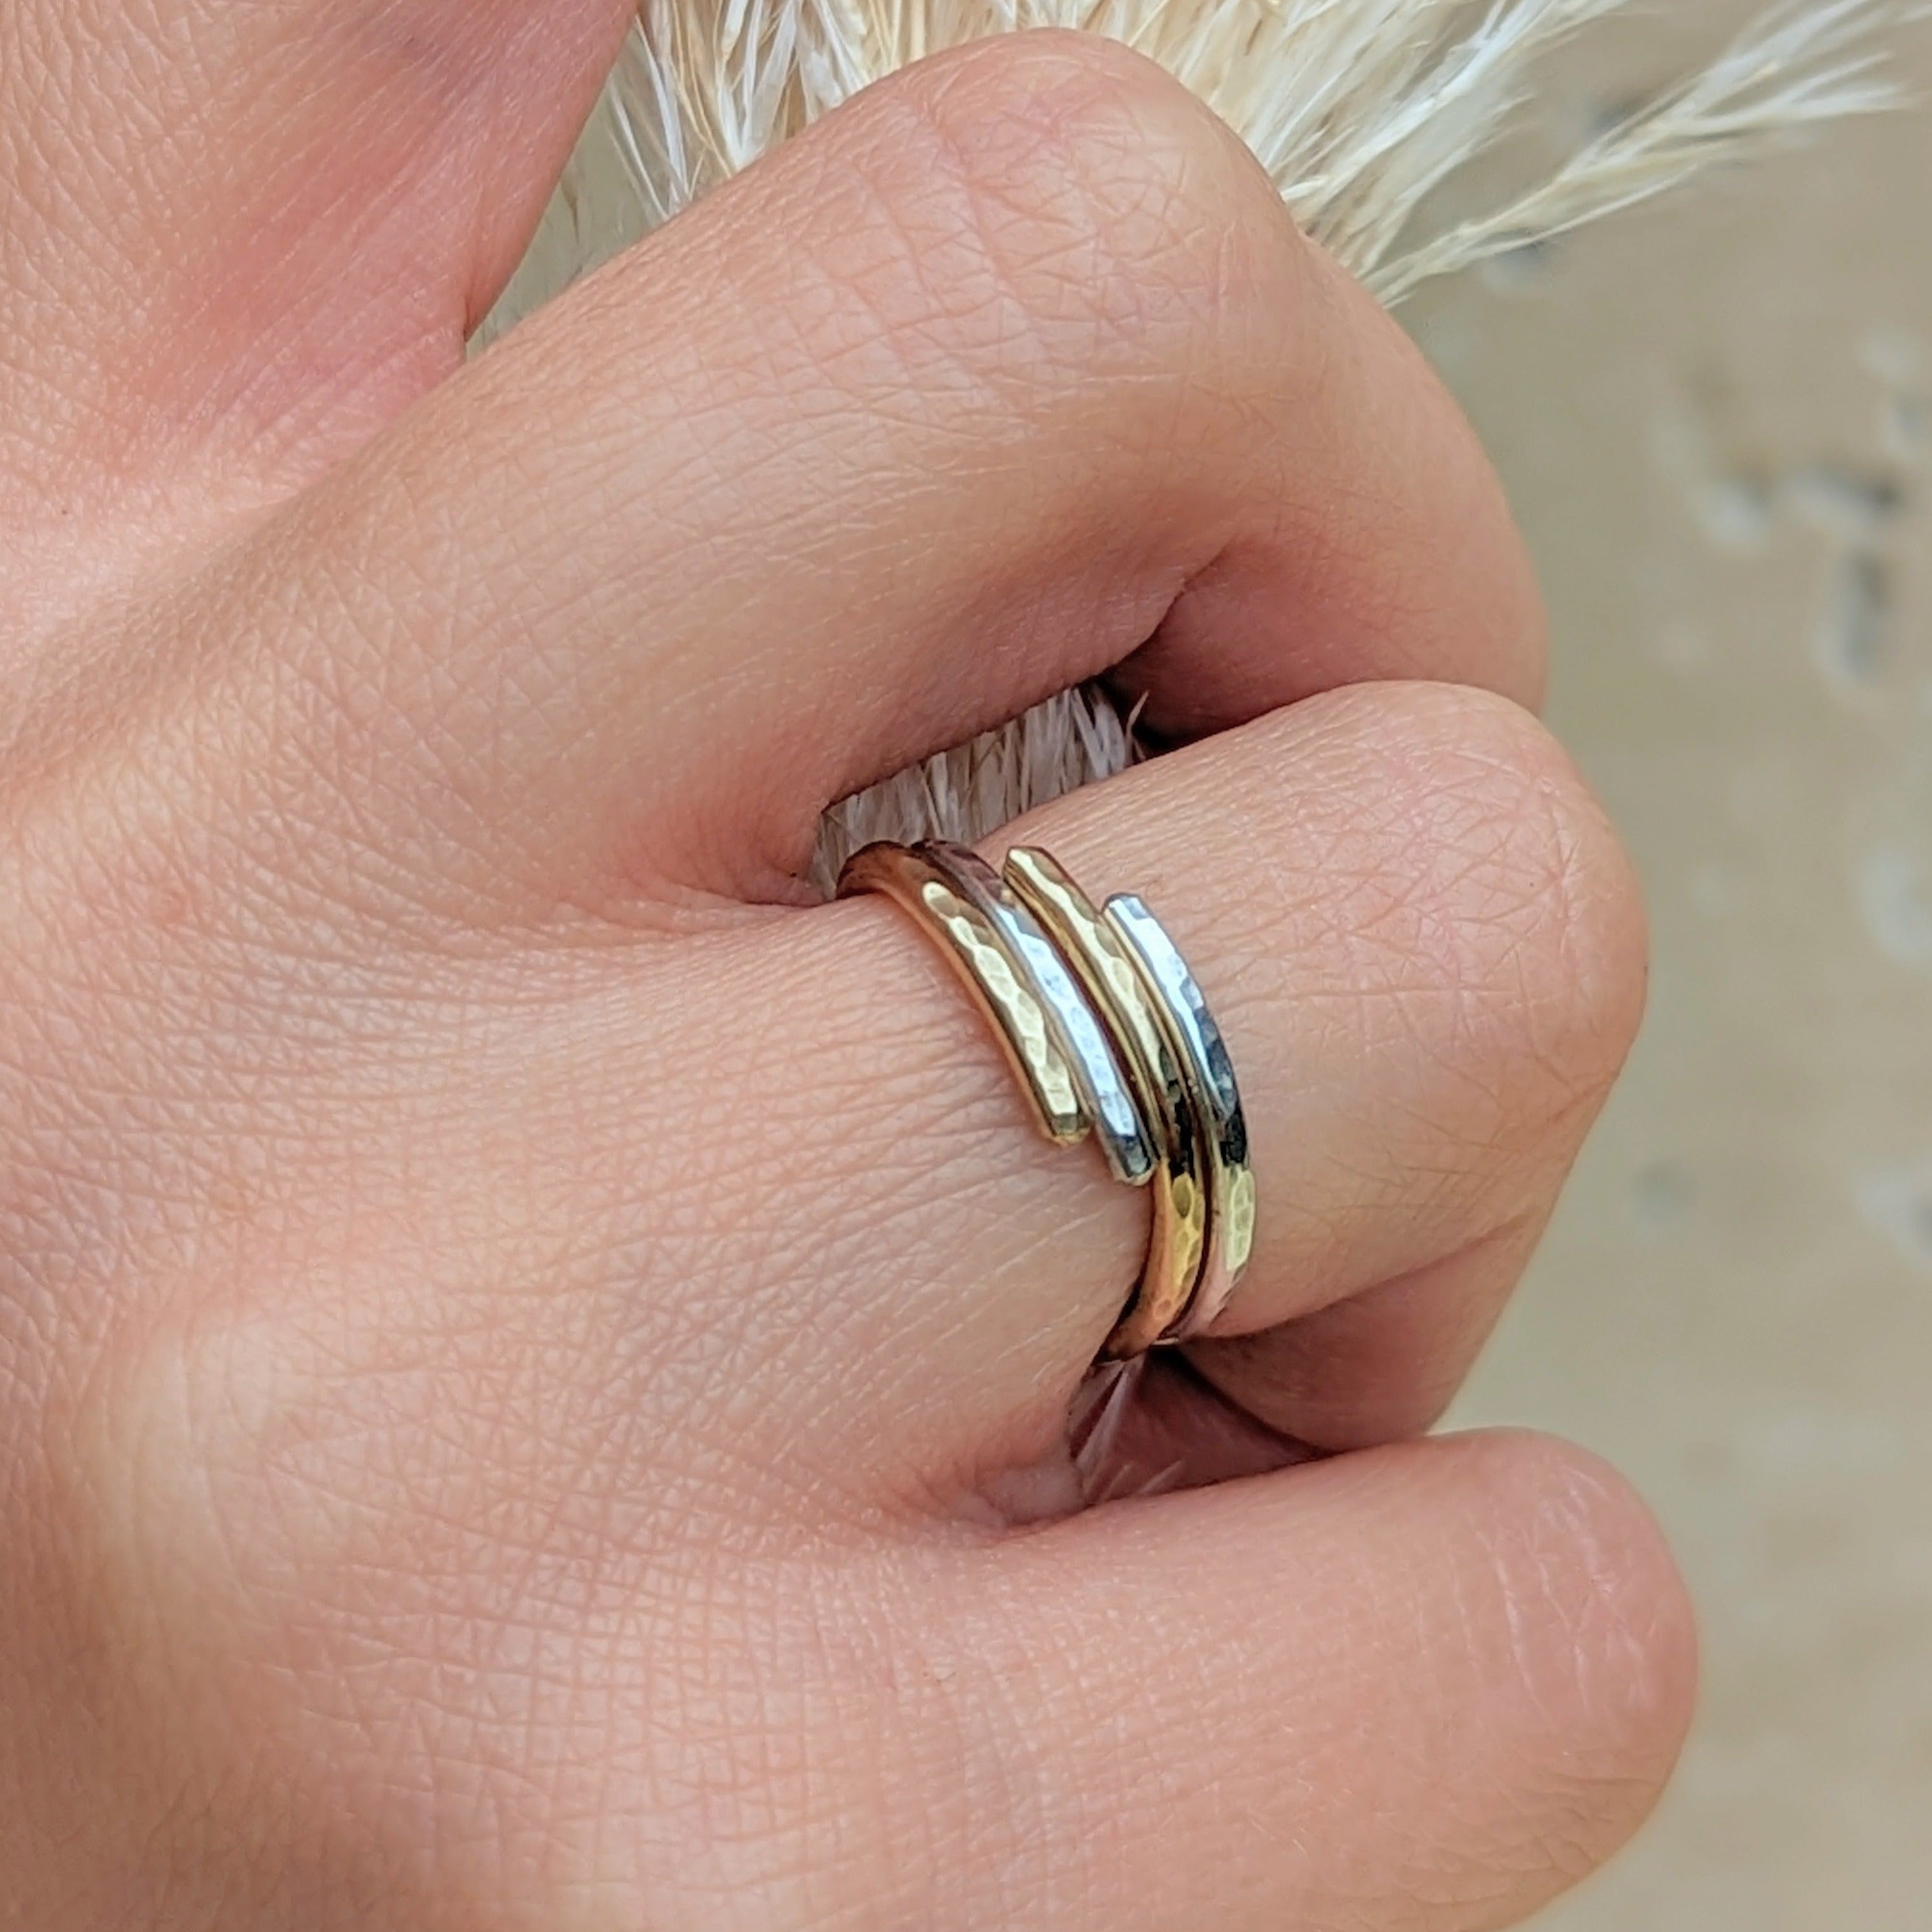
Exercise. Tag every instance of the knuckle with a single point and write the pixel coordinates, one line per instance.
(1086, 209)
(1504, 880)
(1551, 890)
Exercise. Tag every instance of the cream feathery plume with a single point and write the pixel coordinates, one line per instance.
(1359, 110)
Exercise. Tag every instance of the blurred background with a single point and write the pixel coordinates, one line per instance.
(1714, 416)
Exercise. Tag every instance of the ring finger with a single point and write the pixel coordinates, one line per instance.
(1425, 949)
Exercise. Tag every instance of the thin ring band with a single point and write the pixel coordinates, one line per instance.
(1178, 1235)
(1019, 981)
(1193, 1033)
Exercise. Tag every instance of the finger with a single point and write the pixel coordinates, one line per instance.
(240, 238)
(1424, 948)
(1381, 1364)
(1372, 1367)
(1009, 366)
(1423, 1689)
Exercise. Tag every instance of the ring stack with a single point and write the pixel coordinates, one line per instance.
(1109, 1037)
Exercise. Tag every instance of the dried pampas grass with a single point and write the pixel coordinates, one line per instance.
(1358, 109)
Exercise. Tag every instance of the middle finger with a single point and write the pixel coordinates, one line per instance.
(955, 401)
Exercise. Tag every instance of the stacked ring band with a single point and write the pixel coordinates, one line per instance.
(1109, 1035)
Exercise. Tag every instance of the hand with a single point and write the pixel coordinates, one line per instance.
(534, 1362)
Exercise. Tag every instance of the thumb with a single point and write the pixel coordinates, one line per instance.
(1425, 1686)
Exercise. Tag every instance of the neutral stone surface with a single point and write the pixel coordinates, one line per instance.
(1716, 421)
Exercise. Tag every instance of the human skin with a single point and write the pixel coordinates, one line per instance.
(533, 1358)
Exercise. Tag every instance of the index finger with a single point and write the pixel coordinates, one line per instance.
(1013, 364)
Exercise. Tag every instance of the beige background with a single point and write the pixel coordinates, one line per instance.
(1715, 418)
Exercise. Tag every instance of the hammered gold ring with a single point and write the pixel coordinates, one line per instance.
(1110, 1036)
